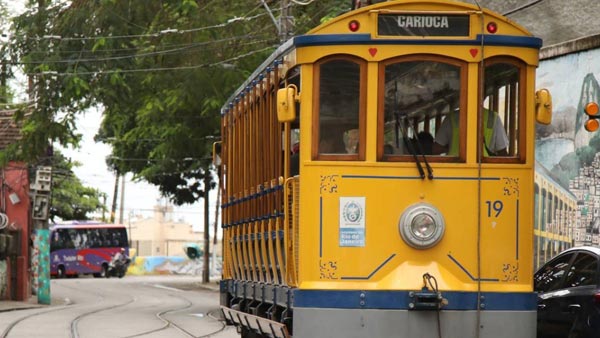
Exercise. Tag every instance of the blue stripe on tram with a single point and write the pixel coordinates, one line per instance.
(400, 300)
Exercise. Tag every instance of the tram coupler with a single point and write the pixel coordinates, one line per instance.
(426, 300)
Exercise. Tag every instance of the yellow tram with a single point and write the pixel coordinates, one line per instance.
(378, 178)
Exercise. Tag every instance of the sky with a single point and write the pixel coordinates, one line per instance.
(140, 198)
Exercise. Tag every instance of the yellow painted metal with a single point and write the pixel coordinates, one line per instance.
(307, 55)
(271, 250)
(263, 247)
(286, 104)
(291, 227)
(279, 251)
(452, 261)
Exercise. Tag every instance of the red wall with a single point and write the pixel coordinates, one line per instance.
(15, 179)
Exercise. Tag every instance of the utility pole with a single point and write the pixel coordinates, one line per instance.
(40, 192)
(122, 206)
(285, 21)
(206, 267)
(104, 207)
(216, 229)
(217, 209)
(113, 210)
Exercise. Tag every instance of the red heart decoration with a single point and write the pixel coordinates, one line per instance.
(473, 52)
(372, 51)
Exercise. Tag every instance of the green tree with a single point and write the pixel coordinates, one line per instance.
(160, 70)
(71, 200)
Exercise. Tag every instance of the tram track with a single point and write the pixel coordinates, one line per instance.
(74, 322)
(74, 332)
(12, 325)
(220, 320)
(84, 303)
(169, 323)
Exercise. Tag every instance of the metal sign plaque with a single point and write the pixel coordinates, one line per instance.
(423, 25)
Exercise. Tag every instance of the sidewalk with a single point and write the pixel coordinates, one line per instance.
(32, 303)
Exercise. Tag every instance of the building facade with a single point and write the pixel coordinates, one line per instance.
(160, 235)
(15, 220)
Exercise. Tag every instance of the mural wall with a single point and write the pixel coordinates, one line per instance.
(173, 265)
(568, 168)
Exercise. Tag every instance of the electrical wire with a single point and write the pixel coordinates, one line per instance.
(131, 56)
(185, 47)
(120, 71)
(167, 31)
(302, 3)
(527, 5)
(430, 280)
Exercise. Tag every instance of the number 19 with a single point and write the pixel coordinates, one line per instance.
(495, 206)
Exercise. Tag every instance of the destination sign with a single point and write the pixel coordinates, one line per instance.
(423, 25)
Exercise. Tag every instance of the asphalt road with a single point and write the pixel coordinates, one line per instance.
(134, 306)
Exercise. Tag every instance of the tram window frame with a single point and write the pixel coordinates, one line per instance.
(516, 133)
(293, 77)
(361, 118)
(436, 119)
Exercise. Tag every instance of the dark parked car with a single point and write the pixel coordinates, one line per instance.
(569, 295)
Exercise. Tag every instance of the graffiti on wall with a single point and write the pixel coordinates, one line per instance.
(3, 280)
(35, 254)
(569, 154)
(42, 243)
(164, 265)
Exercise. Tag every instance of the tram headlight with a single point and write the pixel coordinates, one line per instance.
(421, 226)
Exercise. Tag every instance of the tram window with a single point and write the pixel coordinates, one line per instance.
(340, 100)
(421, 97)
(501, 109)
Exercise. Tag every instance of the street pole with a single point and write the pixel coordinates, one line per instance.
(122, 206)
(285, 22)
(129, 224)
(206, 267)
(104, 208)
(40, 191)
(113, 210)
